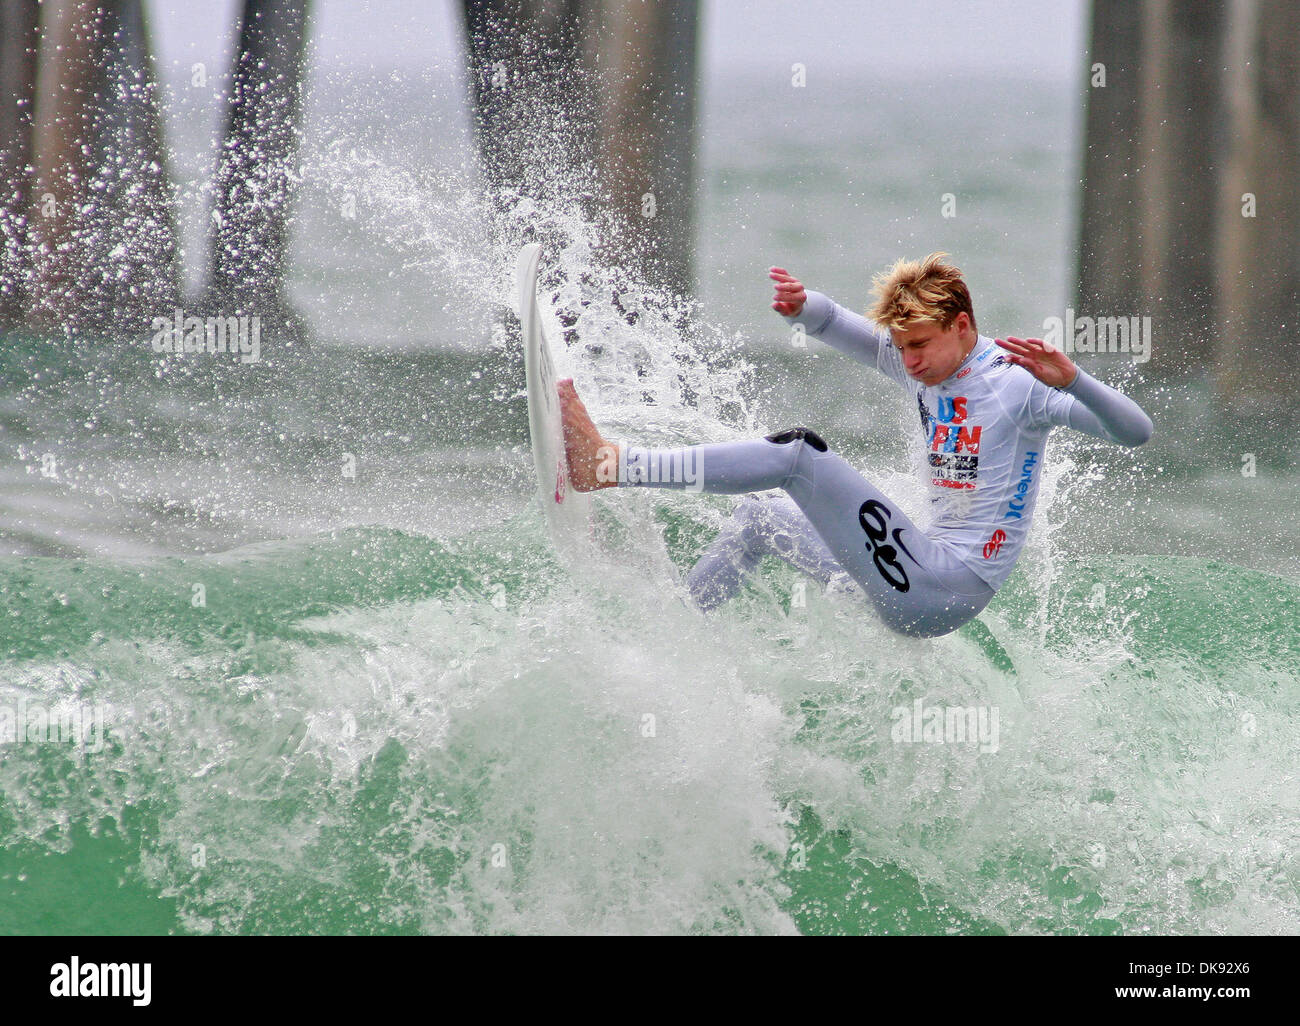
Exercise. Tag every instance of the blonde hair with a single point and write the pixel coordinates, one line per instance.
(920, 290)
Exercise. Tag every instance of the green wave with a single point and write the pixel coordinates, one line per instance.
(54, 608)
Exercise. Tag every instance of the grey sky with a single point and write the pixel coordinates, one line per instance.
(941, 38)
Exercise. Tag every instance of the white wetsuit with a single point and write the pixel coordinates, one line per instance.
(984, 429)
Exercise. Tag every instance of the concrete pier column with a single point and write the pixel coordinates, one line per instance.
(18, 41)
(101, 222)
(1258, 268)
(257, 170)
(605, 89)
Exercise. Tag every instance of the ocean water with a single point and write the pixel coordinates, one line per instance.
(336, 677)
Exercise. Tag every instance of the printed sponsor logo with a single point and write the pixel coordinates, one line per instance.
(994, 545)
(1016, 507)
(953, 442)
(998, 361)
(874, 516)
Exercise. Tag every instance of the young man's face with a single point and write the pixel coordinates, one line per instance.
(931, 354)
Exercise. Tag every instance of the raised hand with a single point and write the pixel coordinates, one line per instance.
(1042, 359)
(790, 295)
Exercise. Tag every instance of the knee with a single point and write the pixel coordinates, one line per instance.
(748, 517)
(796, 434)
(764, 525)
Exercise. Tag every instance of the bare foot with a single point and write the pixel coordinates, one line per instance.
(593, 462)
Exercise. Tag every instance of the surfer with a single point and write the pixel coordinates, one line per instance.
(985, 406)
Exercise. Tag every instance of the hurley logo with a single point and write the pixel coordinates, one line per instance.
(1016, 507)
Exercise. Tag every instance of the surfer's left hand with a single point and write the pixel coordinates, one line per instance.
(1042, 359)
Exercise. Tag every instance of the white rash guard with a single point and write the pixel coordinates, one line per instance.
(985, 433)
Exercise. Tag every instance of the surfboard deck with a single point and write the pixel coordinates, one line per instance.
(566, 509)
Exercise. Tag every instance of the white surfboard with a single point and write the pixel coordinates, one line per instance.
(566, 509)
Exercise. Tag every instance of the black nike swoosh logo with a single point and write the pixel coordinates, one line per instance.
(898, 539)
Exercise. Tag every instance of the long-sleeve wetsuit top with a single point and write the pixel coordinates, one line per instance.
(985, 432)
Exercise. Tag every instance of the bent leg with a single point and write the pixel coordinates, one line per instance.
(759, 527)
(918, 587)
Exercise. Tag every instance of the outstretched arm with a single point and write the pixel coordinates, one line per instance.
(823, 318)
(1091, 407)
